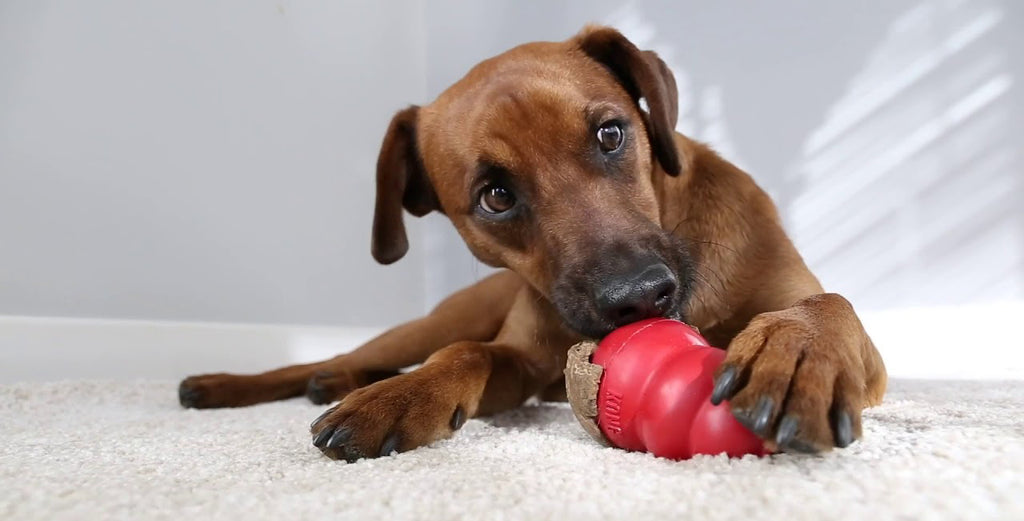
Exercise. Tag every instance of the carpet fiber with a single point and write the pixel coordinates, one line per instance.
(96, 450)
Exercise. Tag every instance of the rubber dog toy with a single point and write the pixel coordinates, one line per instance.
(647, 387)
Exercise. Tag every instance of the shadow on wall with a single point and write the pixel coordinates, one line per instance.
(897, 173)
(909, 189)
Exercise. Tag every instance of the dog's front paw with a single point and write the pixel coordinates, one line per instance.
(795, 380)
(393, 415)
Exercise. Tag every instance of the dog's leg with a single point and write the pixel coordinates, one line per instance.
(474, 313)
(237, 390)
(462, 380)
(799, 377)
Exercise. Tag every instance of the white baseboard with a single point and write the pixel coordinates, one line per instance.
(963, 342)
(39, 349)
(976, 341)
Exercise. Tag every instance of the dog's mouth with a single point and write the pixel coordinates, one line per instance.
(596, 298)
(585, 320)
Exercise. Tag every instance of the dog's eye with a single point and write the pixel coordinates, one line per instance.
(497, 199)
(609, 136)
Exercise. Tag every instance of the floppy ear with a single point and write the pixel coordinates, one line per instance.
(644, 75)
(401, 183)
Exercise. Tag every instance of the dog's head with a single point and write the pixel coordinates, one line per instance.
(545, 161)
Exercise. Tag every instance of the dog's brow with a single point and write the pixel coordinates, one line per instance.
(488, 167)
(602, 109)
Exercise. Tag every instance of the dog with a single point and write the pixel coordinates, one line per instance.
(559, 162)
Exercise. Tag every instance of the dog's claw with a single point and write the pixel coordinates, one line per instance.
(763, 415)
(787, 431)
(320, 439)
(724, 386)
(787, 440)
(844, 430)
(458, 418)
(390, 445)
(339, 438)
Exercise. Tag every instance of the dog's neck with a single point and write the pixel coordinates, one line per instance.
(711, 208)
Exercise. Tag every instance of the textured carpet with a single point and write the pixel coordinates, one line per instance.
(96, 450)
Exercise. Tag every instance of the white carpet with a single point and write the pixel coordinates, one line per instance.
(96, 450)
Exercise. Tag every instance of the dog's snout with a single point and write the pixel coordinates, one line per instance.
(638, 295)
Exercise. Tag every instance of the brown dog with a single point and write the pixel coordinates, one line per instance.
(547, 165)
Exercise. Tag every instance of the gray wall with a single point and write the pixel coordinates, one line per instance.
(213, 161)
(201, 160)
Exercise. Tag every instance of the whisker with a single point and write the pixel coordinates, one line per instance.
(708, 284)
(713, 243)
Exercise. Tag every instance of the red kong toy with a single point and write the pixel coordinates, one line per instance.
(647, 387)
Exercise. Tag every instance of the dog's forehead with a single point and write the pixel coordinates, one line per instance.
(518, 73)
(535, 95)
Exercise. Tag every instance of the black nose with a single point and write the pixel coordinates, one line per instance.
(641, 294)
